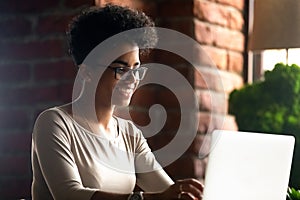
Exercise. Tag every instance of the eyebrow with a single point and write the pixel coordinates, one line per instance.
(125, 63)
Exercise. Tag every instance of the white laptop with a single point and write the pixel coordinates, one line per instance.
(248, 166)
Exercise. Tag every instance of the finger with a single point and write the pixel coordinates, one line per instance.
(187, 196)
(193, 182)
(191, 189)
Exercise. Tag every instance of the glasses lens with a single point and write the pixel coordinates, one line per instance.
(138, 74)
(120, 72)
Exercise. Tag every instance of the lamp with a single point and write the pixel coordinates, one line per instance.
(276, 25)
(273, 24)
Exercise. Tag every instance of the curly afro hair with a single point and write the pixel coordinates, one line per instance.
(96, 24)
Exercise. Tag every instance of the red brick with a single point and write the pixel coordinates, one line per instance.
(187, 167)
(210, 12)
(162, 139)
(239, 4)
(18, 165)
(149, 7)
(144, 97)
(60, 70)
(43, 94)
(235, 62)
(14, 119)
(208, 78)
(78, 3)
(142, 118)
(229, 39)
(199, 57)
(204, 32)
(230, 123)
(176, 119)
(190, 55)
(180, 97)
(159, 140)
(175, 8)
(15, 187)
(117, 2)
(32, 50)
(200, 145)
(14, 73)
(235, 20)
(31, 6)
(219, 36)
(52, 24)
(139, 117)
(15, 27)
(28, 96)
(219, 14)
(218, 56)
(209, 121)
(168, 99)
(211, 101)
(183, 25)
(65, 92)
(220, 81)
(167, 57)
(231, 81)
(15, 142)
(173, 121)
(200, 79)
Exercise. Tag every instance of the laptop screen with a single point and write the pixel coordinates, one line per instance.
(248, 166)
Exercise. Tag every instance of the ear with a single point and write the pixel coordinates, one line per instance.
(84, 73)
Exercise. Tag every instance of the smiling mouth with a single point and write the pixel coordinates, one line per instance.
(125, 91)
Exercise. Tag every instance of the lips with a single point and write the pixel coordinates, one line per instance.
(125, 90)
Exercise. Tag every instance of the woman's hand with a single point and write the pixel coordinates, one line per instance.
(187, 189)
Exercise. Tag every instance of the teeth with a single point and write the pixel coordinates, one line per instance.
(125, 90)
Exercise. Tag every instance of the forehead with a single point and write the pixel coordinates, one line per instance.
(106, 55)
(131, 54)
(127, 49)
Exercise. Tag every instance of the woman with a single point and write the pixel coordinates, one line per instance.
(81, 150)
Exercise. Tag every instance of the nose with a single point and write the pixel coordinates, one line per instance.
(129, 77)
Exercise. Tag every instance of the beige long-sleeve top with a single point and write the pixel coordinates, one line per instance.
(69, 162)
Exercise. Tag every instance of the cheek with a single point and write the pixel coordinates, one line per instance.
(106, 87)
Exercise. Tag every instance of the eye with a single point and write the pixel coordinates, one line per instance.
(122, 70)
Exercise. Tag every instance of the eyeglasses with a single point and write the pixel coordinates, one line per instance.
(124, 73)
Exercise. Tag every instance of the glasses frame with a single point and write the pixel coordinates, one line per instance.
(125, 70)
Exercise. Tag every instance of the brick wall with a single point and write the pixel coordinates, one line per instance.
(36, 73)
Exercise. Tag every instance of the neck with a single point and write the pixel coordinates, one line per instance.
(97, 117)
(104, 116)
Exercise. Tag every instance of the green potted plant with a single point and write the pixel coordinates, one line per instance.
(271, 105)
(293, 194)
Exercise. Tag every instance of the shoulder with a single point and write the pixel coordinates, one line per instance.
(129, 127)
(51, 115)
(50, 112)
(51, 122)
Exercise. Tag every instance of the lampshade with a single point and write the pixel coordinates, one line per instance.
(276, 25)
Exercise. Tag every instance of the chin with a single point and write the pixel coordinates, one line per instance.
(121, 101)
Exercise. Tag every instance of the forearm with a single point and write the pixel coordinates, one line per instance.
(114, 196)
(99, 195)
(153, 196)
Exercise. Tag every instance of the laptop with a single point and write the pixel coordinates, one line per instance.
(248, 166)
